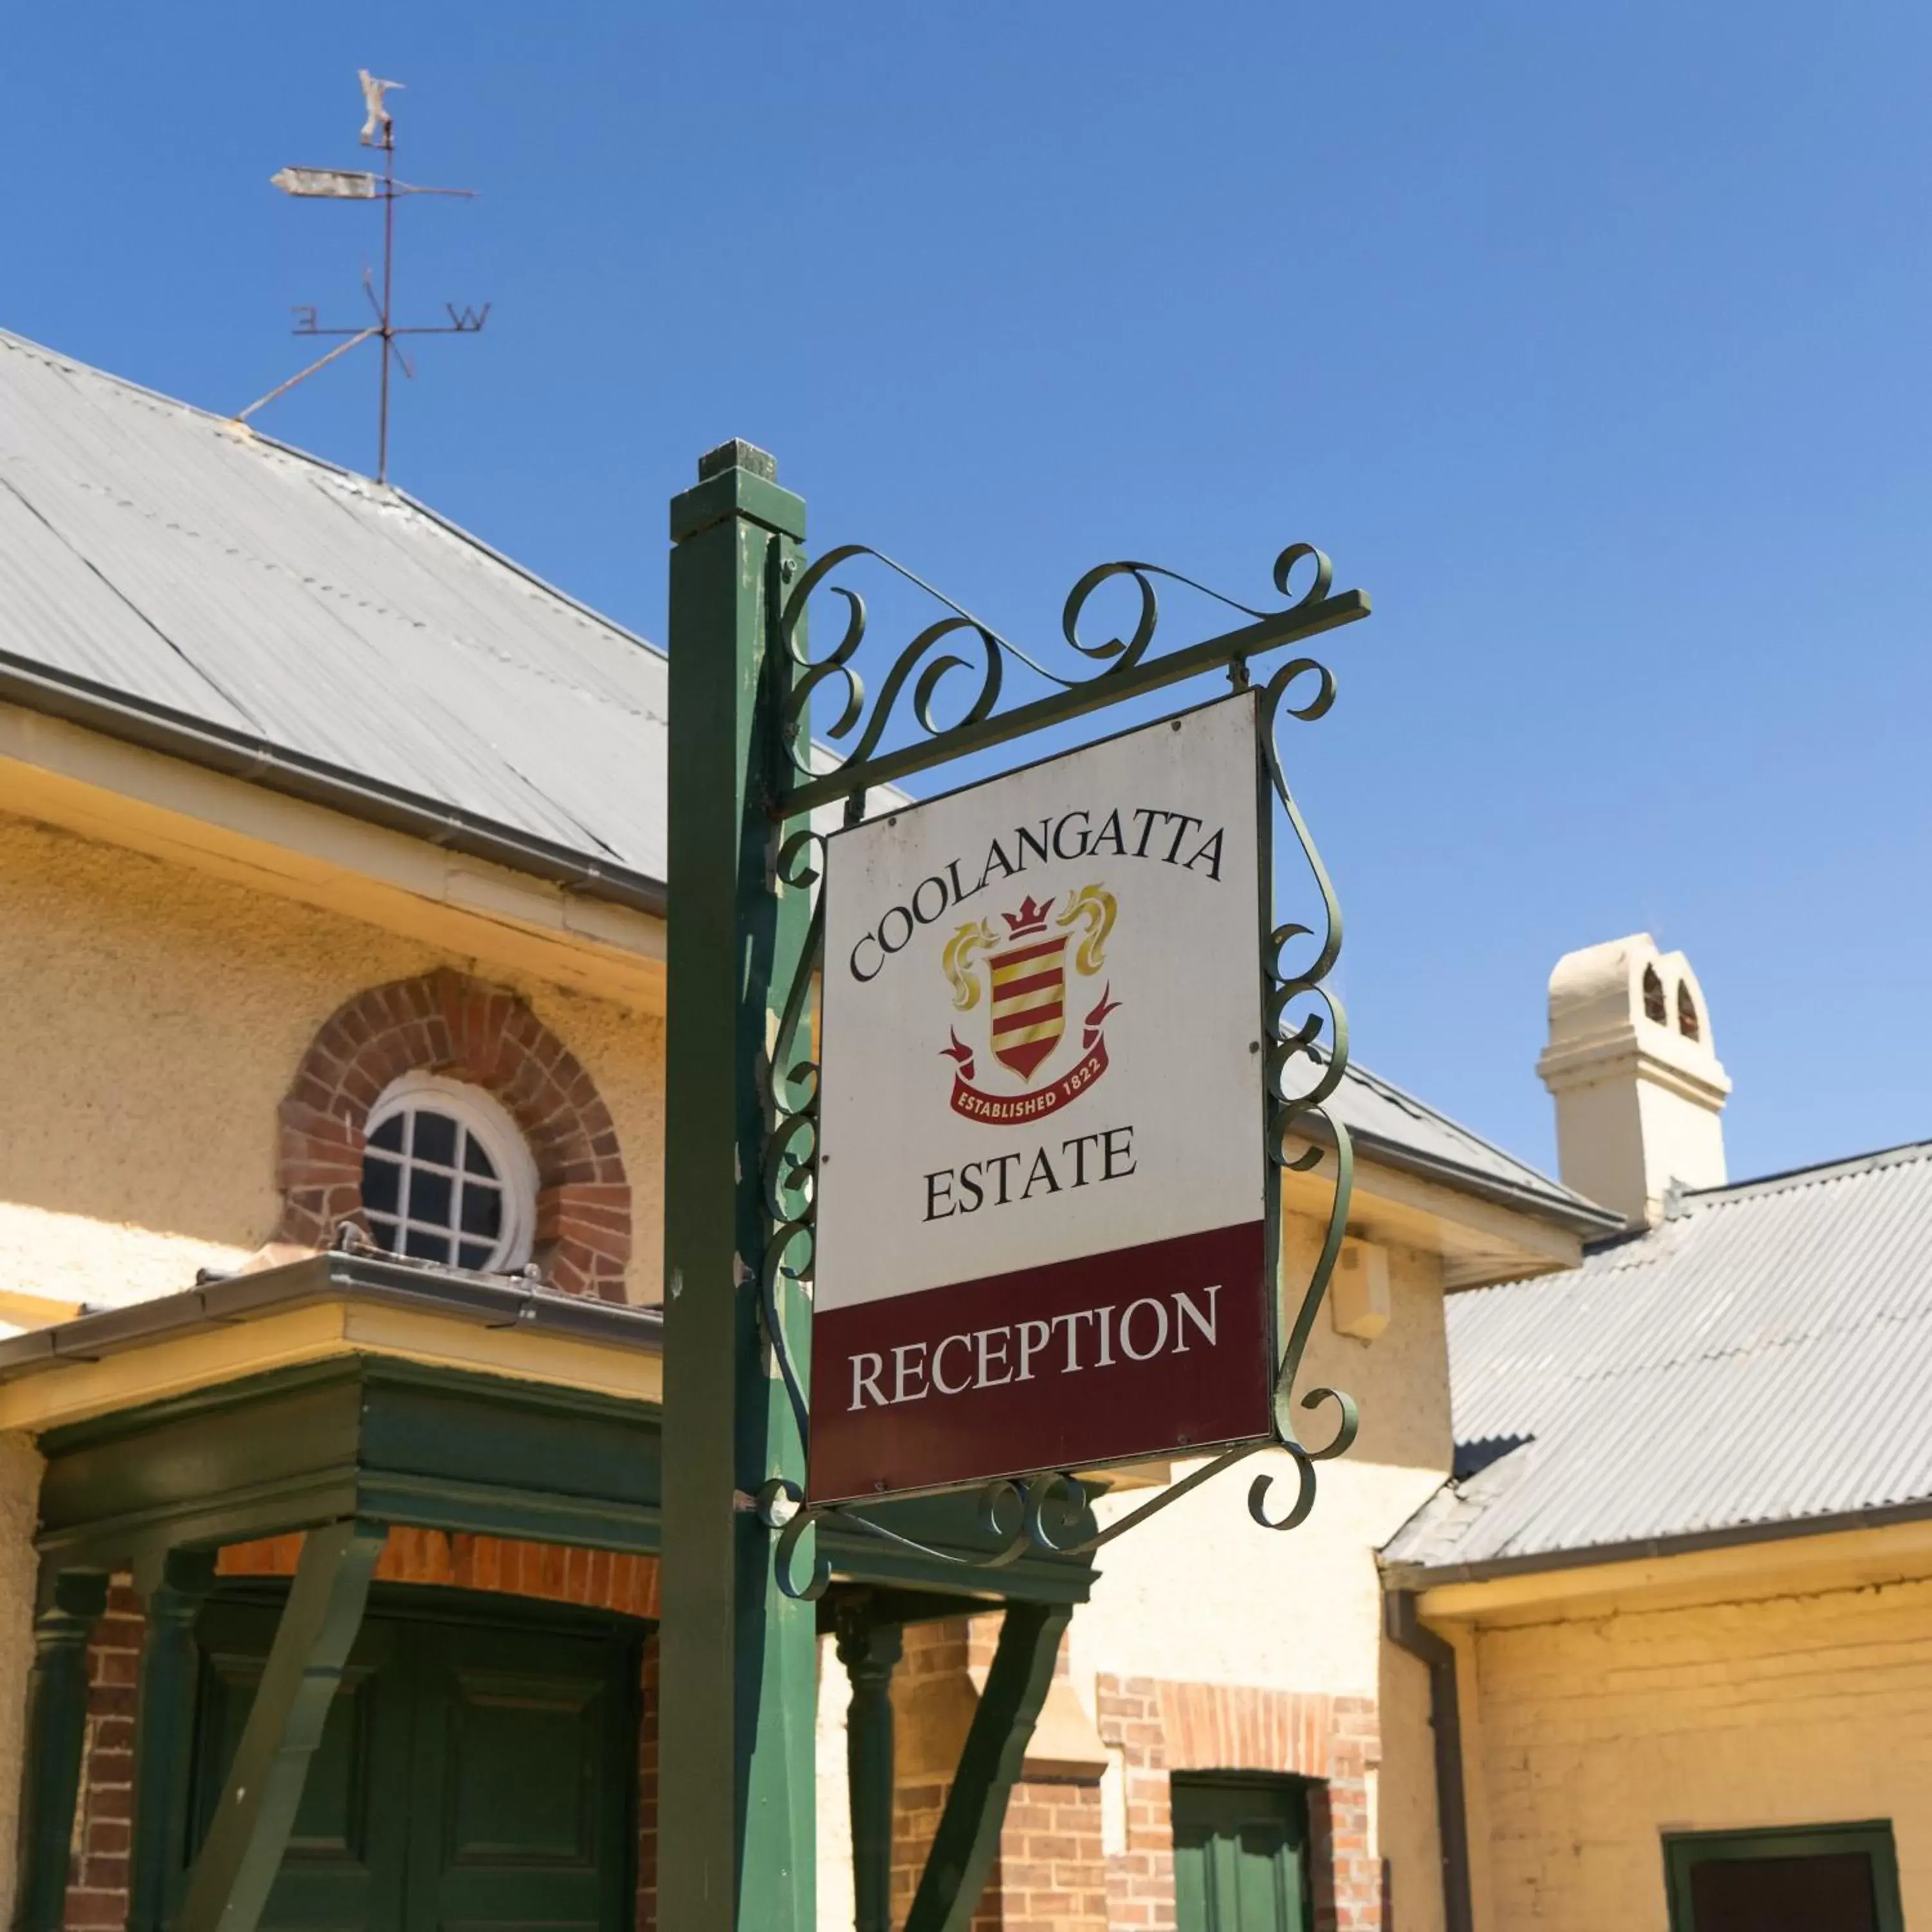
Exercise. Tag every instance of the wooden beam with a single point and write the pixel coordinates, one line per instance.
(968, 1838)
(71, 1602)
(238, 1862)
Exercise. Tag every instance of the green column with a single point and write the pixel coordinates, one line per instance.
(735, 1810)
(174, 1586)
(71, 1602)
(870, 1652)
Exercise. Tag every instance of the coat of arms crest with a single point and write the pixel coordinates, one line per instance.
(1025, 988)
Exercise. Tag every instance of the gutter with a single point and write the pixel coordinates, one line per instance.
(1409, 1578)
(490, 1301)
(159, 727)
(1406, 1630)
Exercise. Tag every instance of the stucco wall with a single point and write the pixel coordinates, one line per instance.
(1599, 1735)
(168, 1011)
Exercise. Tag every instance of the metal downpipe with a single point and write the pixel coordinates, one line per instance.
(1406, 1630)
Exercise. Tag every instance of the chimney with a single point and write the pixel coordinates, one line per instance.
(1635, 1075)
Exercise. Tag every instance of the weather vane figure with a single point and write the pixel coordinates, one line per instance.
(379, 131)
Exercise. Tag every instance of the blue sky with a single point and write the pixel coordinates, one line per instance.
(1591, 340)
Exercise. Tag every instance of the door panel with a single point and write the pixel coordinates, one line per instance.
(344, 1864)
(533, 1735)
(1240, 1854)
(470, 1775)
(522, 1757)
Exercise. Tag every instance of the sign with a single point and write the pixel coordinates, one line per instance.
(1041, 1230)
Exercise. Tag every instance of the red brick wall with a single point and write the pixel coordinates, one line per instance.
(1159, 1727)
(1049, 1874)
(446, 1022)
(1053, 1869)
(931, 1672)
(97, 1891)
(96, 1897)
(598, 1579)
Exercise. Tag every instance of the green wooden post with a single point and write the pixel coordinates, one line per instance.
(239, 1860)
(736, 1813)
(71, 1603)
(968, 1836)
(870, 1651)
(173, 1584)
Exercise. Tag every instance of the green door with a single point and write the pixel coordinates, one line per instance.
(472, 1773)
(1240, 1854)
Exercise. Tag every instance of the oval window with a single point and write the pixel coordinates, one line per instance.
(447, 1177)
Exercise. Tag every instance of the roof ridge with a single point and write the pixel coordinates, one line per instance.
(1788, 1179)
(60, 359)
(249, 434)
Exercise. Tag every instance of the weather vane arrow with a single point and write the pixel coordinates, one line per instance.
(379, 131)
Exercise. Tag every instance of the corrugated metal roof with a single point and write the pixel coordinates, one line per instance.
(156, 552)
(1759, 1359)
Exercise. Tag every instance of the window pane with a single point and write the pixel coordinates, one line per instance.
(473, 1255)
(431, 1197)
(389, 1134)
(435, 1137)
(381, 1181)
(476, 1160)
(482, 1210)
(425, 1245)
(383, 1232)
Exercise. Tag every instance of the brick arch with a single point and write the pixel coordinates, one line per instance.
(446, 1022)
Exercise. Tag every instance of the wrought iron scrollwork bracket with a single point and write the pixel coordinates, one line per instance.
(1306, 1028)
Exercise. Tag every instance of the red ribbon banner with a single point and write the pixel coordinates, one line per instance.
(968, 1100)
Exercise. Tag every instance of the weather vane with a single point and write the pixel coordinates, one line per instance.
(379, 131)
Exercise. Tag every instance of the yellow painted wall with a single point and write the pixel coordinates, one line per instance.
(168, 1009)
(1599, 1734)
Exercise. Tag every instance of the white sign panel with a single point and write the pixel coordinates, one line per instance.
(1040, 1235)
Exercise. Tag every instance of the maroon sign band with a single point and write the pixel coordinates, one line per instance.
(1087, 1361)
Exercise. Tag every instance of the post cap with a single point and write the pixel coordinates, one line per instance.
(738, 454)
(737, 479)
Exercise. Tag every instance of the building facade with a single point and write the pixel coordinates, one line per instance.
(332, 852)
(1683, 1563)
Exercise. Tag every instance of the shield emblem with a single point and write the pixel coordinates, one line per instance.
(1029, 982)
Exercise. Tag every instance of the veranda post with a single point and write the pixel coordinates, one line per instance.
(736, 1821)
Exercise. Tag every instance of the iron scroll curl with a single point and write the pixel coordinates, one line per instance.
(1305, 1027)
(1292, 1111)
(975, 665)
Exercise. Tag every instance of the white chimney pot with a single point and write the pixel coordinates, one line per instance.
(1638, 1088)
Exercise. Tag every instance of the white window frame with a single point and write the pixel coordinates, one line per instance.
(490, 1122)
